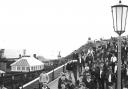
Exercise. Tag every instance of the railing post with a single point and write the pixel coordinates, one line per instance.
(64, 68)
(12, 81)
(53, 75)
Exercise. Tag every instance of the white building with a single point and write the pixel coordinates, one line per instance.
(26, 64)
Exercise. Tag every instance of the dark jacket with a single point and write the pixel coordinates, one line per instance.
(112, 79)
(60, 82)
(89, 85)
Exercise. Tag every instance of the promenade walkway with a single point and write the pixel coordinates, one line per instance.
(52, 85)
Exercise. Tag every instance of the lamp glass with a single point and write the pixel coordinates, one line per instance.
(119, 14)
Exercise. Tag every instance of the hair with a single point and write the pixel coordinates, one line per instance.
(80, 75)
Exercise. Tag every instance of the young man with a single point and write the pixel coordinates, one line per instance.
(43, 78)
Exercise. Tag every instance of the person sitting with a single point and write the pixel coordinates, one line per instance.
(70, 85)
(43, 78)
(45, 86)
(62, 80)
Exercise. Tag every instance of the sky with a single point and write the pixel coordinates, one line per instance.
(46, 27)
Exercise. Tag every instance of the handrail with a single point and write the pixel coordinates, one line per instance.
(25, 85)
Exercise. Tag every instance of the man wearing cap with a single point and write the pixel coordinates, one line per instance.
(62, 80)
(89, 82)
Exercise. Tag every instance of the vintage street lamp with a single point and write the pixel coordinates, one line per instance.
(119, 15)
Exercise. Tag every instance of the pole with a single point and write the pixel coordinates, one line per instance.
(119, 64)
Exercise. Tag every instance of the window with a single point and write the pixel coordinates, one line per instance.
(13, 68)
(18, 68)
(23, 68)
(27, 68)
(32, 68)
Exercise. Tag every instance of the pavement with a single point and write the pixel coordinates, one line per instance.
(54, 84)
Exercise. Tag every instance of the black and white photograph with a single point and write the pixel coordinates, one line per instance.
(63, 44)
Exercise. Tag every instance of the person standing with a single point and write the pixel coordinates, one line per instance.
(43, 78)
(80, 80)
(70, 76)
(101, 76)
(110, 79)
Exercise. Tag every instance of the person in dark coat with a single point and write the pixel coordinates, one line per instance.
(45, 86)
(70, 85)
(89, 82)
(125, 75)
(94, 75)
(101, 76)
(110, 79)
(62, 80)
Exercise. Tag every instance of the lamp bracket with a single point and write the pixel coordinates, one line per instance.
(119, 32)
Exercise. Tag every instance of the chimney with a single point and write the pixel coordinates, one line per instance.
(2, 53)
(20, 56)
(24, 52)
(34, 55)
(59, 56)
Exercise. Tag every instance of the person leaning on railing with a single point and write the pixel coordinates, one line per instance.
(43, 78)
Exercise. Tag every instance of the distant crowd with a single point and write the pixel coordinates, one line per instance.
(97, 69)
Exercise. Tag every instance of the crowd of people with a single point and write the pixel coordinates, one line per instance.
(97, 69)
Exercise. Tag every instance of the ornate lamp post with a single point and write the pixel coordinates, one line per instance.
(119, 15)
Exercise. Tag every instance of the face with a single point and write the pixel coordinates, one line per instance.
(63, 86)
(86, 68)
(81, 77)
(89, 77)
(86, 64)
(93, 69)
(63, 77)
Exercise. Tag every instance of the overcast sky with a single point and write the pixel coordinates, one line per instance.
(46, 27)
